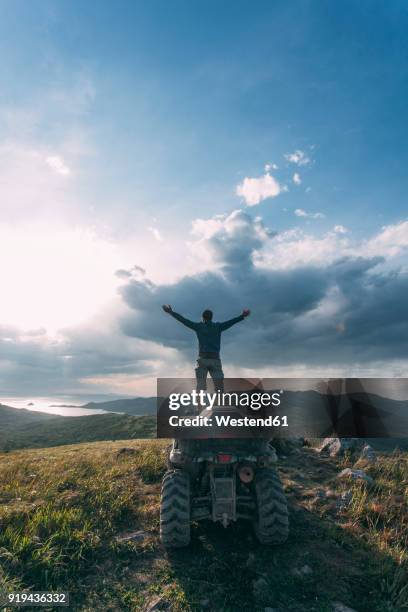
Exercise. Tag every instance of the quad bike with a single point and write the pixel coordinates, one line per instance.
(222, 480)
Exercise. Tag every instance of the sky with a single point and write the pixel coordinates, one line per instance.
(211, 155)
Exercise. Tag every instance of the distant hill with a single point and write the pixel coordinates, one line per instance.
(14, 417)
(21, 428)
(138, 406)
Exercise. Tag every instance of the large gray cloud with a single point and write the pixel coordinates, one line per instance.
(347, 311)
(33, 364)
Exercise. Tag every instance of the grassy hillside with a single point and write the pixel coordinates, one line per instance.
(15, 417)
(65, 513)
(22, 428)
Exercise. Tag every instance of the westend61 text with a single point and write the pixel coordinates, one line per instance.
(202, 398)
(228, 421)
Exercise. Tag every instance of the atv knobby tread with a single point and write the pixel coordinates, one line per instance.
(271, 524)
(175, 509)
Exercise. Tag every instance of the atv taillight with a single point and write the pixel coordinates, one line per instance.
(222, 458)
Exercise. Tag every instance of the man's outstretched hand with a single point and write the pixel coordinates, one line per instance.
(167, 308)
(246, 312)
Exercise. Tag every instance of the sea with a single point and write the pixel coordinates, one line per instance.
(59, 406)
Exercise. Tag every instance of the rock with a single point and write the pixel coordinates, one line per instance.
(355, 475)
(340, 607)
(126, 451)
(273, 455)
(70, 498)
(286, 446)
(204, 603)
(135, 536)
(250, 562)
(368, 454)
(157, 603)
(338, 446)
(271, 610)
(344, 500)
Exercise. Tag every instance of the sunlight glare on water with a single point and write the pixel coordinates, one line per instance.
(50, 405)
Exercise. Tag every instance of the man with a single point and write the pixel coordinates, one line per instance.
(209, 341)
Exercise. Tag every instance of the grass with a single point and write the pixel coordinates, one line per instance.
(62, 510)
(381, 510)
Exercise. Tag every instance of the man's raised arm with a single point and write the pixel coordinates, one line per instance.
(227, 324)
(167, 308)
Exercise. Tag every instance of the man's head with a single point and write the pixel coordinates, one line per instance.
(207, 315)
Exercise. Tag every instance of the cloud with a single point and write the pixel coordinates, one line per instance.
(229, 240)
(87, 359)
(138, 270)
(58, 165)
(156, 233)
(300, 212)
(269, 167)
(340, 229)
(390, 242)
(254, 190)
(135, 271)
(339, 310)
(296, 179)
(27, 184)
(31, 170)
(298, 157)
(294, 248)
(123, 273)
(55, 276)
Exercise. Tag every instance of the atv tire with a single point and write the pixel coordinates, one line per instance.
(271, 525)
(175, 509)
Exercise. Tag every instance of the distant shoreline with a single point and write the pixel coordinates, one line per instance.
(66, 406)
(63, 406)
